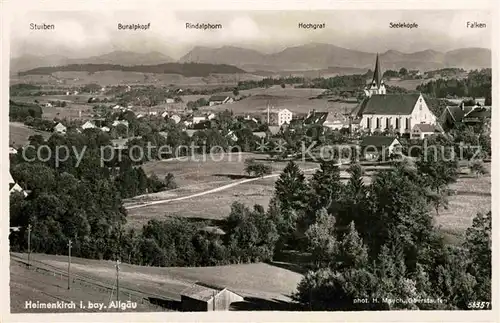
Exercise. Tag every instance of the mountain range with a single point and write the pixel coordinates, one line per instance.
(311, 56)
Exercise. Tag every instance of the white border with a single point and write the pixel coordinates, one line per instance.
(9, 6)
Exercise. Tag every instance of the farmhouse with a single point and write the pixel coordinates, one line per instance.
(198, 117)
(421, 131)
(220, 99)
(205, 298)
(88, 125)
(12, 151)
(376, 147)
(398, 112)
(334, 121)
(169, 100)
(120, 122)
(471, 116)
(60, 128)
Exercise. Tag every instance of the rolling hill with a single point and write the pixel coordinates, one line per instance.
(187, 69)
(309, 57)
(125, 58)
(322, 56)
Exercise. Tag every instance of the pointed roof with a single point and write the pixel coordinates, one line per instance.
(377, 74)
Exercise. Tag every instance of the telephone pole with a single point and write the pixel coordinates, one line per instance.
(29, 245)
(69, 264)
(118, 280)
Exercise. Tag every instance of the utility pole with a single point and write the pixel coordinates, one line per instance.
(29, 245)
(118, 280)
(69, 264)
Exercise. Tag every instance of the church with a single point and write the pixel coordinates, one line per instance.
(400, 113)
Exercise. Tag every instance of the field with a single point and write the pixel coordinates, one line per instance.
(472, 196)
(19, 134)
(261, 284)
(295, 100)
(107, 78)
(406, 84)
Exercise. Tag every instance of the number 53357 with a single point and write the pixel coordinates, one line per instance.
(479, 305)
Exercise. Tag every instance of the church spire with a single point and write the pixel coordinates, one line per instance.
(377, 77)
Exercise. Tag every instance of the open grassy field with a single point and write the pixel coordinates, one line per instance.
(259, 281)
(472, 196)
(19, 134)
(406, 84)
(46, 284)
(257, 104)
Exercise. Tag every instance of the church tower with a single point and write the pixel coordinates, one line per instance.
(377, 85)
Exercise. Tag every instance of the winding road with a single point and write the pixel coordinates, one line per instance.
(213, 190)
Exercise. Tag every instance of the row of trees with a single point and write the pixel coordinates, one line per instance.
(477, 84)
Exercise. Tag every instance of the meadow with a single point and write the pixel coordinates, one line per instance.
(259, 281)
(19, 134)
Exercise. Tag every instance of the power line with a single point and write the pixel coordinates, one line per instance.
(69, 263)
(29, 245)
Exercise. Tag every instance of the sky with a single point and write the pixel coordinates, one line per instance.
(85, 33)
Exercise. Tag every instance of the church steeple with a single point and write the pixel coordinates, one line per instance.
(377, 77)
(377, 85)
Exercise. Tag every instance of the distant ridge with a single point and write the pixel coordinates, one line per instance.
(321, 56)
(188, 69)
(308, 57)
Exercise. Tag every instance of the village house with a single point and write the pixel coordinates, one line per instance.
(198, 117)
(120, 122)
(176, 118)
(15, 187)
(169, 101)
(211, 116)
(423, 130)
(334, 121)
(379, 147)
(105, 129)
(88, 125)
(60, 128)
(220, 99)
(205, 298)
(468, 115)
(12, 151)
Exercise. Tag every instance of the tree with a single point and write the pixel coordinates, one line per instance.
(478, 243)
(283, 85)
(403, 71)
(236, 92)
(170, 182)
(321, 239)
(291, 188)
(257, 169)
(478, 168)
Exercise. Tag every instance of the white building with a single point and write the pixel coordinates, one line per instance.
(379, 111)
(105, 129)
(198, 118)
(377, 85)
(422, 130)
(397, 112)
(211, 116)
(220, 99)
(284, 116)
(120, 122)
(60, 128)
(88, 125)
(176, 118)
(12, 151)
(169, 101)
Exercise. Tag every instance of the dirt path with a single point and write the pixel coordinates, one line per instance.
(214, 190)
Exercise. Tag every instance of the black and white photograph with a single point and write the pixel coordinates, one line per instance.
(250, 160)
